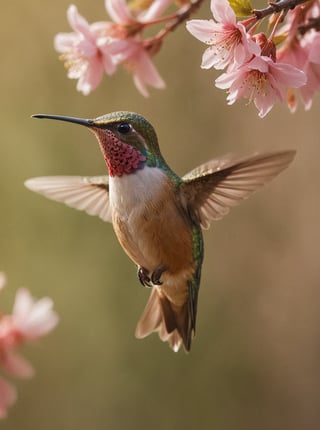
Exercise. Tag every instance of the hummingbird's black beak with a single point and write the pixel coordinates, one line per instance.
(81, 121)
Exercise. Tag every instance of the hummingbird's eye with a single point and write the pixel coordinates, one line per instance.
(124, 127)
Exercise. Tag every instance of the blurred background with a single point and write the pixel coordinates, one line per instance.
(255, 360)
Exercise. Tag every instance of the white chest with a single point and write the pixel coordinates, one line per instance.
(129, 194)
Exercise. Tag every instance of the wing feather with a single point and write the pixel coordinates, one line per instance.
(209, 191)
(90, 194)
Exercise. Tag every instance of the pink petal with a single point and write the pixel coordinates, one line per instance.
(23, 304)
(145, 72)
(17, 365)
(203, 30)
(91, 77)
(225, 80)
(259, 63)
(118, 11)
(265, 103)
(65, 42)
(3, 280)
(77, 22)
(288, 75)
(154, 11)
(86, 48)
(107, 59)
(210, 59)
(8, 396)
(222, 12)
(33, 318)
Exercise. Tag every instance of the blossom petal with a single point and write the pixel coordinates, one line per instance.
(17, 365)
(118, 11)
(3, 280)
(65, 41)
(8, 396)
(288, 75)
(77, 22)
(203, 30)
(264, 103)
(146, 73)
(154, 11)
(33, 318)
(91, 77)
(222, 11)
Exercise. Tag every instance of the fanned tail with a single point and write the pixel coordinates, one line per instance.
(175, 324)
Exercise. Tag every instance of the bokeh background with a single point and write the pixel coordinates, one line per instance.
(255, 360)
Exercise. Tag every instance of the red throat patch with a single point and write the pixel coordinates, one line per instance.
(120, 157)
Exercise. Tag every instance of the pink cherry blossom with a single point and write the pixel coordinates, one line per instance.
(131, 50)
(132, 54)
(92, 50)
(228, 39)
(30, 320)
(311, 43)
(85, 51)
(33, 318)
(262, 81)
(8, 396)
(304, 54)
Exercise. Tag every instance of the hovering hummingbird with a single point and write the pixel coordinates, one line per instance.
(158, 216)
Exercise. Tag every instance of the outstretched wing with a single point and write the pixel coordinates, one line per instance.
(90, 194)
(209, 191)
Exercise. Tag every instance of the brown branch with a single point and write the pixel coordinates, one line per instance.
(182, 15)
(277, 6)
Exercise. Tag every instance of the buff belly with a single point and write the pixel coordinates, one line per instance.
(150, 224)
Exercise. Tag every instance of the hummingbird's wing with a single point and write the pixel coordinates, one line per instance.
(209, 191)
(90, 194)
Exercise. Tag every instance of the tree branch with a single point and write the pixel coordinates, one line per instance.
(277, 6)
(181, 16)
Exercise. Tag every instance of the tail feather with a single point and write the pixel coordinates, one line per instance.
(174, 323)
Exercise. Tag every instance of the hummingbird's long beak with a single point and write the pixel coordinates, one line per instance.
(81, 121)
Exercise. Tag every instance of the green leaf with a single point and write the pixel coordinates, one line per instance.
(242, 8)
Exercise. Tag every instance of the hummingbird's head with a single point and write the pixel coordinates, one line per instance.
(127, 140)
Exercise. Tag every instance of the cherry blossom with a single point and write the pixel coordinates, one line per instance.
(262, 81)
(85, 51)
(33, 318)
(98, 48)
(311, 43)
(30, 320)
(134, 57)
(304, 54)
(228, 39)
(263, 54)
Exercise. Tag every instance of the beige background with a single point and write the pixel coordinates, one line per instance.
(255, 360)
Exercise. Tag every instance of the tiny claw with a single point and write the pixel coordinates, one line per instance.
(156, 275)
(143, 277)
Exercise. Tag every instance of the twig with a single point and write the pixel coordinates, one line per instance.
(277, 6)
(181, 16)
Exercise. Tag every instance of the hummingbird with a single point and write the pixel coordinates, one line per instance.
(158, 216)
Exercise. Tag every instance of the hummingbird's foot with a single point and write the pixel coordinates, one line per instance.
(143, 277)
(156, 275)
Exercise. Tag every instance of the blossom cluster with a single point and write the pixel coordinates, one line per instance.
(262, 66)
(30, 320)
(98, 48)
